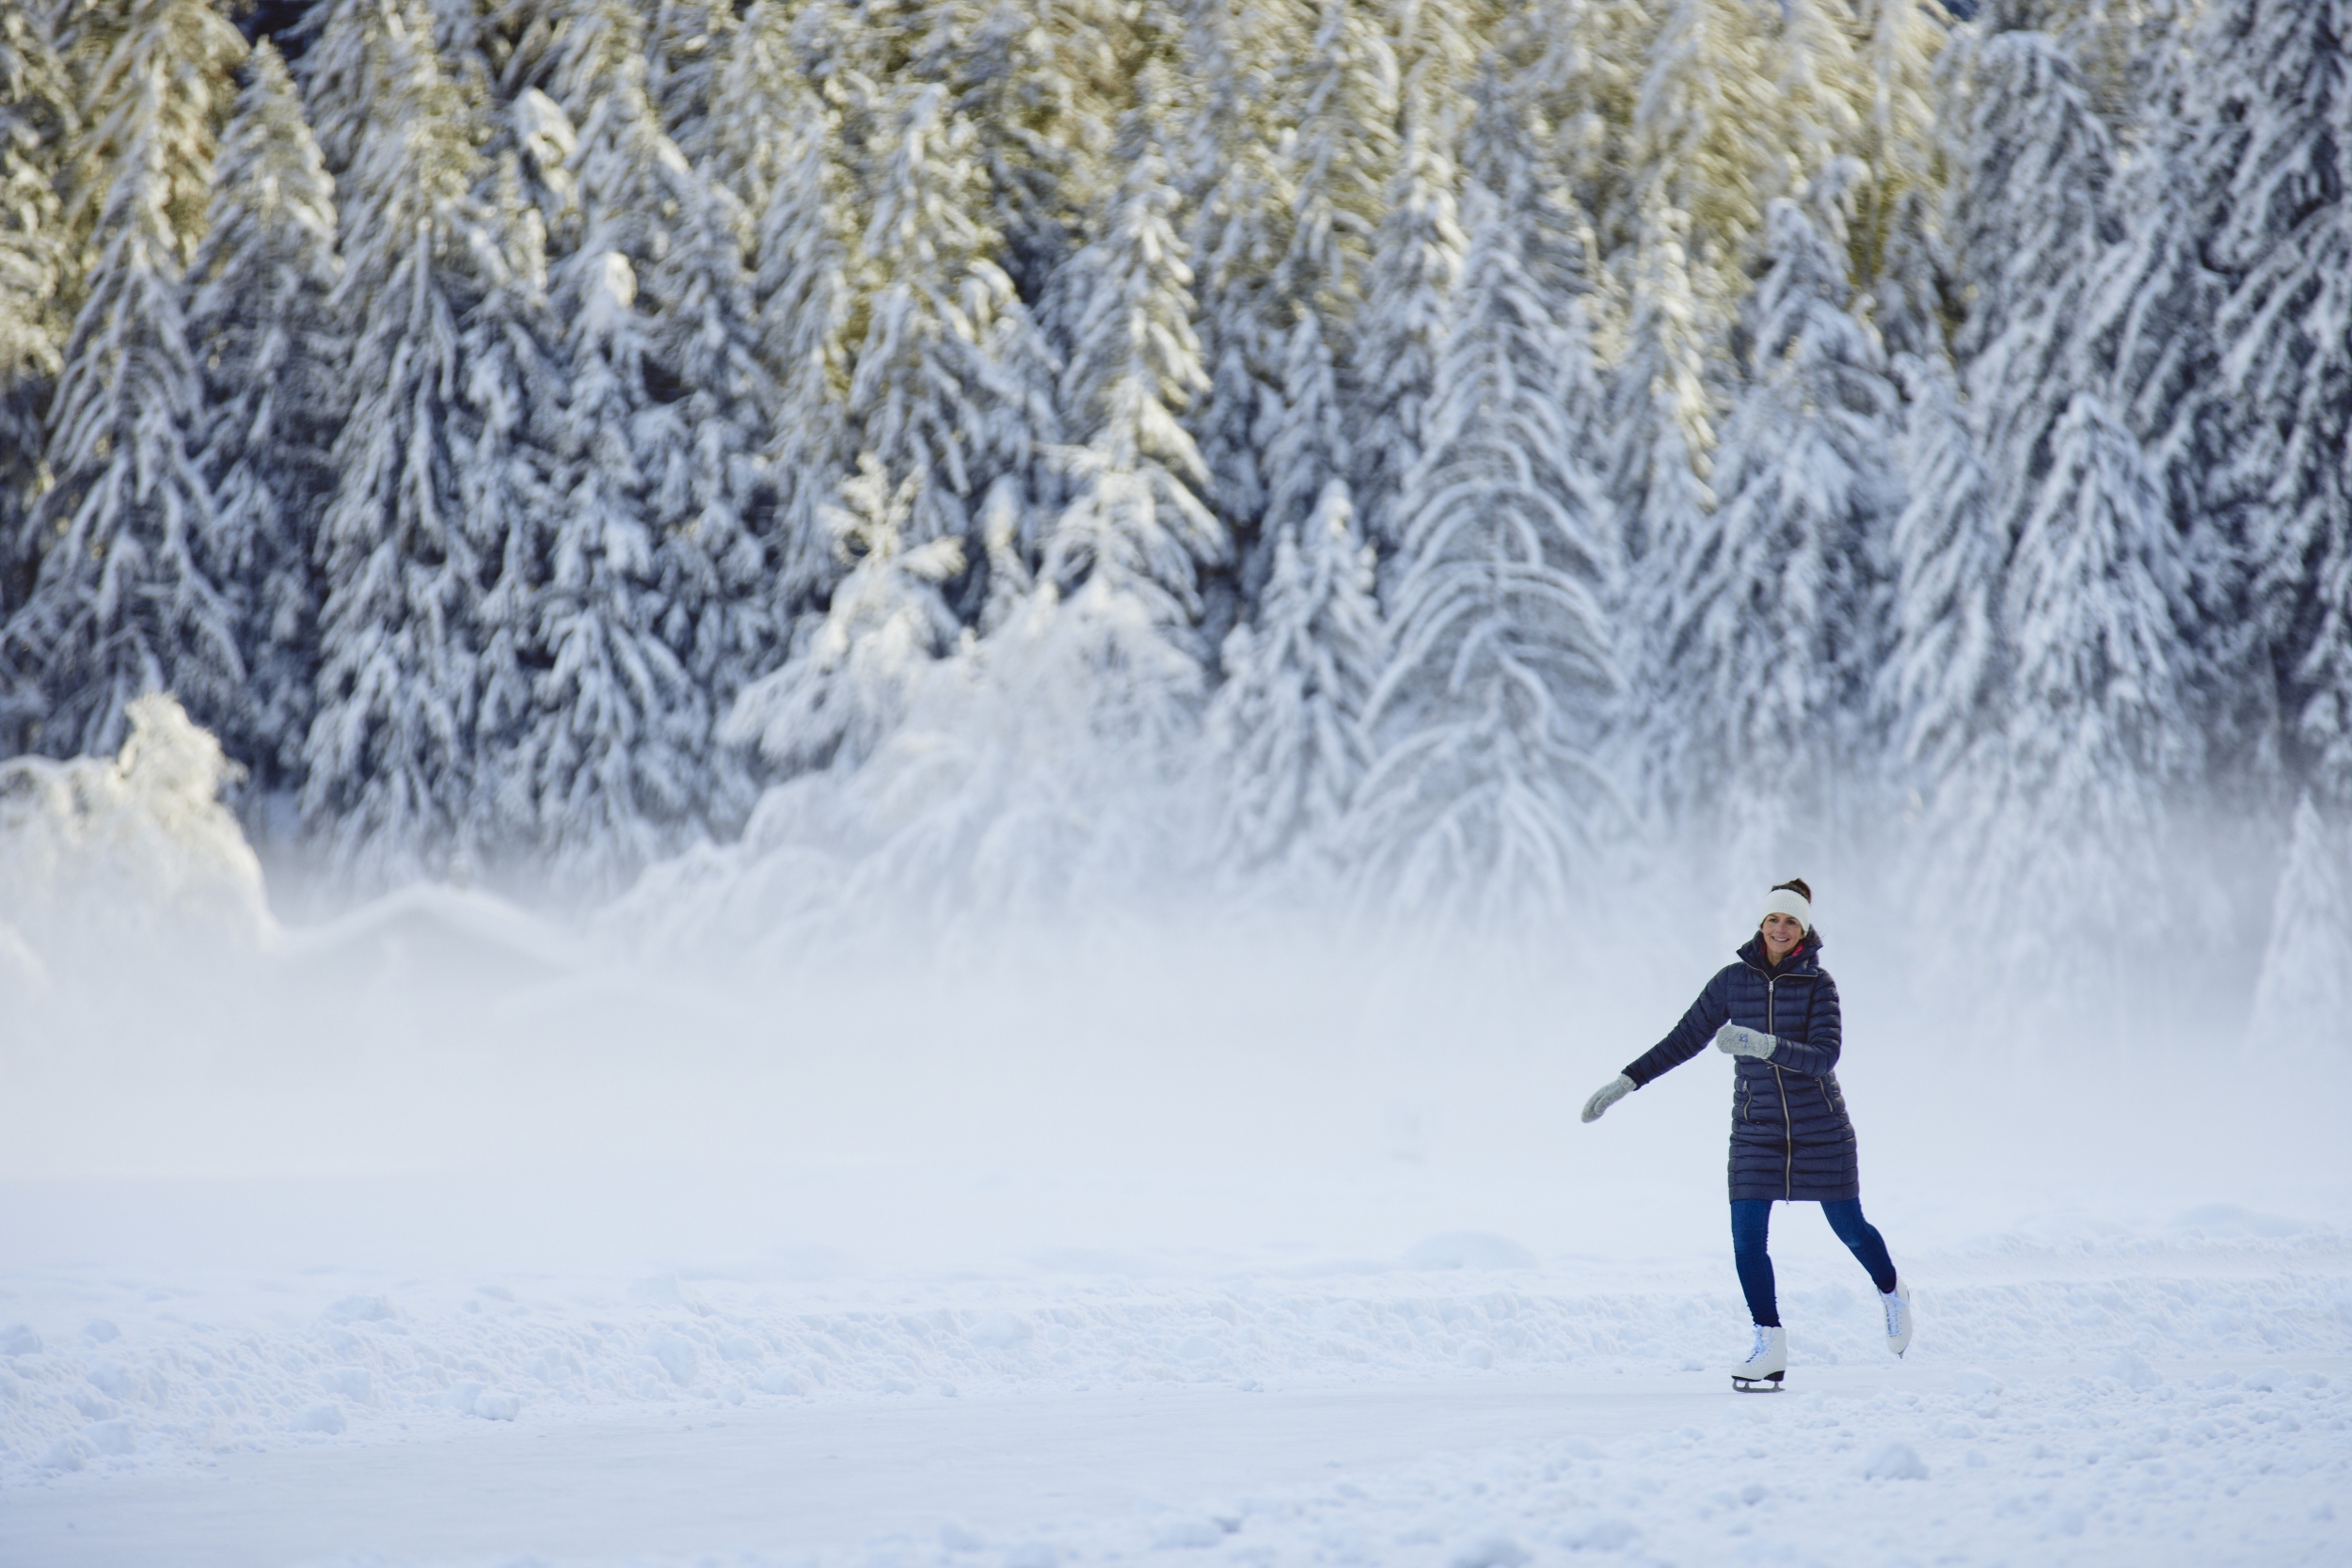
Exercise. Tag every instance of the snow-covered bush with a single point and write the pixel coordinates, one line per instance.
(135, 847)
(1035, 772)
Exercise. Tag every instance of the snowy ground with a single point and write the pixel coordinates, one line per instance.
(1321, 1270)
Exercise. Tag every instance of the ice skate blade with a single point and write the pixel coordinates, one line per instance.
(1756, 1385)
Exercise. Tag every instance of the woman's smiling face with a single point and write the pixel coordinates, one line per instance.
(1782, 932)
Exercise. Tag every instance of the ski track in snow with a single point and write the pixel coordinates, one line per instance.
(2115, 1396)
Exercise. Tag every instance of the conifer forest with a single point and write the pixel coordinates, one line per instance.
(1424, 457)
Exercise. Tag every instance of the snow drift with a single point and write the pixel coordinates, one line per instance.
(133, 850)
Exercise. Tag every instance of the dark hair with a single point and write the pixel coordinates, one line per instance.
(1795, 885)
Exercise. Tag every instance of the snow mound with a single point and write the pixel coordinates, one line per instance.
(450, 932)
(98, 850)
(1894, 1462)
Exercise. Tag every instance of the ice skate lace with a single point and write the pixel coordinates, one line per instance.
(1755, 1351)
(1894, 1305)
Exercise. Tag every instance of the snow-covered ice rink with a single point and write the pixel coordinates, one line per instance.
(1158, 1251)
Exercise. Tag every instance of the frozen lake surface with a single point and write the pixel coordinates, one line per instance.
(2206, 1466)
(2188, 1401)
(1285, 1265)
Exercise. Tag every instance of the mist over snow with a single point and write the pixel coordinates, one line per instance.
(867, 782)
(1161, 1230)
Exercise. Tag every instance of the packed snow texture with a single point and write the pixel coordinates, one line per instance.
(1251, 1244)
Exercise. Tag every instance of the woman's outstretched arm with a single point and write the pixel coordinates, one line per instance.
(1689, 1037)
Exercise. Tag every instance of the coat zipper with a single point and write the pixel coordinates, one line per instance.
(1788, 1134)
(1788, 1124)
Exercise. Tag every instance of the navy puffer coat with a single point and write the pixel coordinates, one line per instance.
(1790, 1136)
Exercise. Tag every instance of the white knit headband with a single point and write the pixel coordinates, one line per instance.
(1789, 902)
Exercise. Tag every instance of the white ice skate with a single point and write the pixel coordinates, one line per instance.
(1766, 1365)
(1898, 1305)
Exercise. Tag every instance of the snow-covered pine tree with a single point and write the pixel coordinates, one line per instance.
(1711, 135)
(704, 409)
(519, 43)
(1341, 155)
(1506, 147)
(125, 600)
(629, 178)
(805, 303)
(1280, 781)
(721, 612)
(757, 91)
(1661, 423)
(1237, 195)
(2073, 831)
(1437, 44)
(1484, 799)
(2147, 318)
(2146, 332)
(1415, 256)
(951, 385)
(1285, 735)
(2025, 223)
(619, 733)
(1780, 613)
(336, 47)
(272, 368)
(2285, 338)
(392, 788)
(1306, 443)
(849, 685)
(506, 436)
(1040, 759)
(1900, 42)
(1909, 285)
(1335, 163)
(1585, 63)
(543, 139)
(1416, 261)
(2304, 989)
(1940, 681)
(340, 47)
(1704, 122)
(1823, 85)
(1041, 83)
(1705, 150)
(1127, 553)
(619, 729)
(689, 42)
(37, 122)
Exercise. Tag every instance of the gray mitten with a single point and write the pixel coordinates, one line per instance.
(1735, 1039)
(1608, 1095)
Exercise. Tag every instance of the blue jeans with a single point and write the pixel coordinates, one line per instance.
(1751, 1222)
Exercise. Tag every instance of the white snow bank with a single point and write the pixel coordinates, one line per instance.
(1011, 782)
(449, 934)
(108, 1370)
(98, 851)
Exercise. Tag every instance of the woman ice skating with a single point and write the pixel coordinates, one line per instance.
(1776, 1013)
